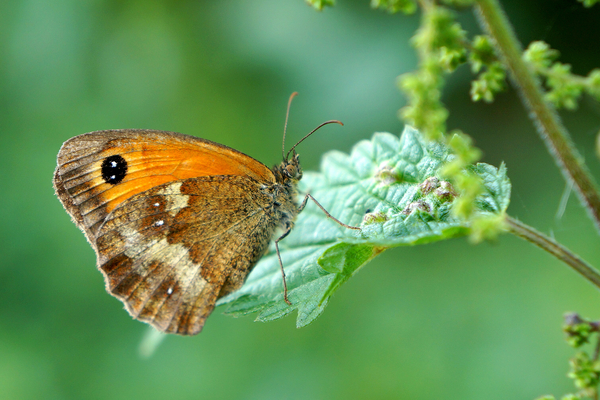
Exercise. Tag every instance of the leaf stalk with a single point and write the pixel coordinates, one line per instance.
(556, 249)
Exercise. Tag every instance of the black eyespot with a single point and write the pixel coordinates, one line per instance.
(114, 169)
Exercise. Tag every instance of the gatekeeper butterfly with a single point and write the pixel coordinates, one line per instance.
(176, 221)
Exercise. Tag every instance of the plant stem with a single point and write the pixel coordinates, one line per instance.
(549, 126)
(556, 249)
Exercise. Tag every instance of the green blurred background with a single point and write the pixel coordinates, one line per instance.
(448, 320)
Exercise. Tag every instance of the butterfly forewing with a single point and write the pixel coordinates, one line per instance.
(98, 171)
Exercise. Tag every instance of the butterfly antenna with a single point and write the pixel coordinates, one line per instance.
(333, 121)
(287, 115)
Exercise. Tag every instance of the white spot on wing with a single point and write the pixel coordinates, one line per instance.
(175, 200)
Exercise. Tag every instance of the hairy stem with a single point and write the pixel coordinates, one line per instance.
(556, 249)
(549, 126)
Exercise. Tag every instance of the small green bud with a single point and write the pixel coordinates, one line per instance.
(452, 168)
(394, 6)
(438, 30)
(588, 3)
(459, 3)
(482, 53)
(320, 4)
(489, 83)
(564, 91)
(425, 111)
(593, 83)
(462, 145)
(578, 330)
(540, 55)
(450, 59)
(571, 396)
(584, 371)
(487, 227)
(469, 186)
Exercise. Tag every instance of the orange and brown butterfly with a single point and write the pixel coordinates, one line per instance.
(176, 221)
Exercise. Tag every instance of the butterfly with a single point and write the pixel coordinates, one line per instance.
(176, 221)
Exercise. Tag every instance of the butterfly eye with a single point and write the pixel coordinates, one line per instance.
(290, 170)
(293, 171)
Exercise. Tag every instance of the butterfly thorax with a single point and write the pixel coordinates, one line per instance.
(284, 192)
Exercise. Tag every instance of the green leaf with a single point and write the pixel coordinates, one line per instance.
(344, 260)
(392, 188)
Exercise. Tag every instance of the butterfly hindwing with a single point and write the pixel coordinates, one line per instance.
(170, 252)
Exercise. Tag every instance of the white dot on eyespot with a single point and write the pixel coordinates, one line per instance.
(113, 177)
(159, 223)
(113, 164)
(170, 290)
(156, 204)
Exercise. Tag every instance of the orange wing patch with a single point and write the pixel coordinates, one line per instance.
(98, 171)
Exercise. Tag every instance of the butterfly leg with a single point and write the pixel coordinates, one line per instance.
(289, 229)
(308, 196)
(285, 290)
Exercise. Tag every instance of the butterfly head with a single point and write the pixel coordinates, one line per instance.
(289, 170)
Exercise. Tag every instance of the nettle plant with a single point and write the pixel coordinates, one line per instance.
(426, 185)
